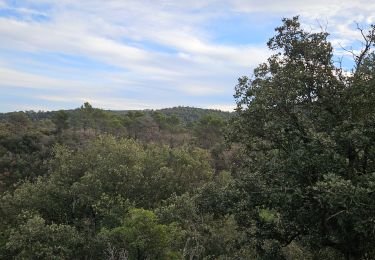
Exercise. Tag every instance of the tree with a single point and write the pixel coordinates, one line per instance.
(160, 119)
(37, 240)
(93, 187)
(19, 121)
(24, 150)
(60, 119)
(133, 123)
(209, 130)
(142, 237)
(307, 131)
(86, 116)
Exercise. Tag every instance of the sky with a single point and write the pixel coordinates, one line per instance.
(125, 54)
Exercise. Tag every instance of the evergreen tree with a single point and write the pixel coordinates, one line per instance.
(309, 139)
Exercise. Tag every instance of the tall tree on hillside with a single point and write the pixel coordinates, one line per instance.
(18, 121)
(209, 130)
(133, 123)
(308, 132)
(86, 111)
(60, 119)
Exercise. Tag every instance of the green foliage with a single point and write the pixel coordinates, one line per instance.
(308, 135)
(37, 240)
(188, 115)
(23, 154)
(91, 189)
(134, 123)
(209, 130)
(206, 236)
(174, 171)
(297, 182)
(96, 120)
(19, 120)
(60, 119)
(142, 237)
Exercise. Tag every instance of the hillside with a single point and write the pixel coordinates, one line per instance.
(187, 115)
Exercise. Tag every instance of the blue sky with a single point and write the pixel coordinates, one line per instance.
(138, 54)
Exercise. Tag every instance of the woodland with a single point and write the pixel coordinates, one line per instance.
(290, 174)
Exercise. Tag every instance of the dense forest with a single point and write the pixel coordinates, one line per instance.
(289, 175)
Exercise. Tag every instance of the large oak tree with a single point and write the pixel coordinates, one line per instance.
(308, 130)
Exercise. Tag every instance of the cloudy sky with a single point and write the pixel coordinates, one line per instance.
(125, 54)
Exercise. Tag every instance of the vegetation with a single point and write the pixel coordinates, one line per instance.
(290, 175)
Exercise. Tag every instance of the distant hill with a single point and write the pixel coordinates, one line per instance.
(185, 114)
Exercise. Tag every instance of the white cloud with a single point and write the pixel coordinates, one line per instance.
(14, 78)
(11, 107)
(103, 103)
(222, 107)
(109, 37)
(338, 15)
(157, 47)
(3, 4)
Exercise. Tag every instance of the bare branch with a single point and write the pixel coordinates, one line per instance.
(322, 28)
(351, 51)
(368, 40)
(337, 213)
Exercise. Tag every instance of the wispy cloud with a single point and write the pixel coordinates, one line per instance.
(148, 53)
(18, 79)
